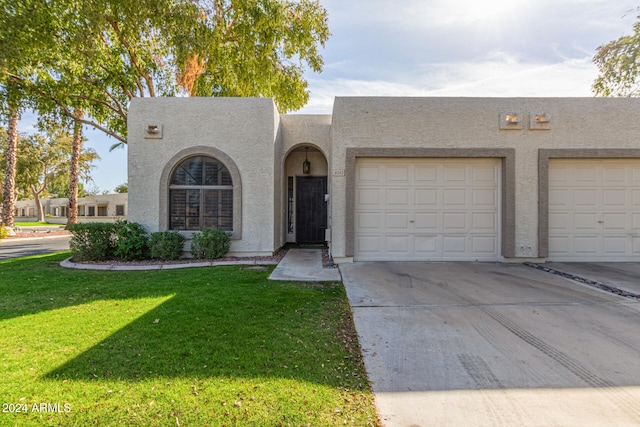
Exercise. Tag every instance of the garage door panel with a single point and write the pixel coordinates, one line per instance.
(614, 175)
(584, 197)
(428, 245)
(614, 198)
(455, 174)
(614, 221)
(369, 220)
(369, 174)
(397, 174)
(484, 197)
(448, 209)
(559, 221)
(454, 221)
(560, 245)
(395, 220)
(594, 211)
(486, 175)
(426, 174)
(427, 221)
(585, 221)
(484, 244)
(559, 199)
(585, 175)
(369, 243)
(455, 197)
(585, 244)
(484, 221)
(614, 245)
(559, 174)
(426, 197)
(397, 197)
(397, 244)
(454, 245)
(368, 196)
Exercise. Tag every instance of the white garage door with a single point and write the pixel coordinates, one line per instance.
(427, 209)
(594, 210)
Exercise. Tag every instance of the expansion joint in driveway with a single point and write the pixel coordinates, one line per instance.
(589, 282)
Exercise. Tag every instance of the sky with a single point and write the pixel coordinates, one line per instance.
(470, 48)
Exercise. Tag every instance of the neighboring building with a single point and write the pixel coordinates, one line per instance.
(100, 208)
(425, 179)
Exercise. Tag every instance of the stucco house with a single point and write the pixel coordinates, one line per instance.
(97, 208)
(384, 178)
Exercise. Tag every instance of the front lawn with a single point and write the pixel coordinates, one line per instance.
(190, 347)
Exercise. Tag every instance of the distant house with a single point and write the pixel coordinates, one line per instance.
(383, 178)
(100, 208)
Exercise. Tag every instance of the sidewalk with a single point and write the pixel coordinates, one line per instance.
(304, 265)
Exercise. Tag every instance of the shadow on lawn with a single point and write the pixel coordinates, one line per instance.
(221, 322)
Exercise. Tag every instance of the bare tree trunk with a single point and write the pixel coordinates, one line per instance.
(73, 172)
(36, 198)
(9, 191)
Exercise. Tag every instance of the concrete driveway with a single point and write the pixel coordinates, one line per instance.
(485, 344)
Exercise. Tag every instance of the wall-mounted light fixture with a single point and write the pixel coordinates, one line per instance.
(510, 120)
(306, 165)
(541, 118)
(540, 121)
(153, 132)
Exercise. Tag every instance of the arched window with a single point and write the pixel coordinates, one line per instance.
(200, 195)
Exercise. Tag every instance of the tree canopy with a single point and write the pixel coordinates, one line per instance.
(97, 55)
(618, 64)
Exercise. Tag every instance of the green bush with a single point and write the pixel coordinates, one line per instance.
(132, 241)
(210, 244)
(93, 241)
(3, 232)
(166, 245)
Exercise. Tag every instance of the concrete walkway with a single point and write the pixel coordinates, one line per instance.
(304, 265)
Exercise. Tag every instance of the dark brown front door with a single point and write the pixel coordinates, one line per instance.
(311, 209)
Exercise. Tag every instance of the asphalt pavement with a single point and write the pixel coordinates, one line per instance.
(16, 248)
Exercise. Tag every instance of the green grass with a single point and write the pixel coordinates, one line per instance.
(36, 224)
(219, 346)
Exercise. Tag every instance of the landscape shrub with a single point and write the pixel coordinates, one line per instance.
(93, 241)
(210, 244)
(166, 245)
(3, 232)
(132, 241)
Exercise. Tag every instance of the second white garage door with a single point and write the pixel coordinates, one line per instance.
(594, 209)
(427, 209)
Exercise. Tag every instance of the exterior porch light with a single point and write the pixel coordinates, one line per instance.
(306, 165)
(512, 118)
(542, 118)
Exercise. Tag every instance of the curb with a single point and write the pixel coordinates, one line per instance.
(26, 239)
(67, 263)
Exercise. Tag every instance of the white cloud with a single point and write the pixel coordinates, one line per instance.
(498, 75)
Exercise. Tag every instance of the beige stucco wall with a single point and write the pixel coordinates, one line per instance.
(454, 123)
(244, 129)
(250, 133)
